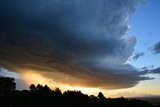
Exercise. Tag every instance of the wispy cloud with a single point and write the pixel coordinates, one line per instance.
(138, 55)
(156, 48)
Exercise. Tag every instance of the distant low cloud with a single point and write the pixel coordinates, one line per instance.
(138, 55)
(150, 70)
(84, 40)
(156, 48)
(156, 71)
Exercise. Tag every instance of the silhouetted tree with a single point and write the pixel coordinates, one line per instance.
(39, 87)
(6, 85)
(32, 87)
(46, 88)
(57, 90)
(101, 96)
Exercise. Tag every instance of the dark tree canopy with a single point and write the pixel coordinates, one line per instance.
(101, 96)
(7, 85)
(32, 87)
(43, 96)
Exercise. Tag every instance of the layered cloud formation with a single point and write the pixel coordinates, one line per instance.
(83, 41)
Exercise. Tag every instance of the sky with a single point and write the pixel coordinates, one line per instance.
(111, 46)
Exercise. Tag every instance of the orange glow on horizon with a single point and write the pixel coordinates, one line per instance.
(32, 77)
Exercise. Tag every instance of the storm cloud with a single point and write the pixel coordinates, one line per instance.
(83, 39)
(155, 71)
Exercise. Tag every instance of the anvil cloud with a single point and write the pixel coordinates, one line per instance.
(83, 39)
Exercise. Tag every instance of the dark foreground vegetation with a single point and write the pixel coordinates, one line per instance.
(43, 96)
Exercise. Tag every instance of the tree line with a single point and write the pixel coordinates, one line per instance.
(43, 96)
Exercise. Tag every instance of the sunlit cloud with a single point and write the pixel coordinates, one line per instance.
(31, 77)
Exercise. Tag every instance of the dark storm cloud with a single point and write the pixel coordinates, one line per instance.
(156, 48)
(150, 70)
(155, 71)
(84, 39)
(137, 55)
